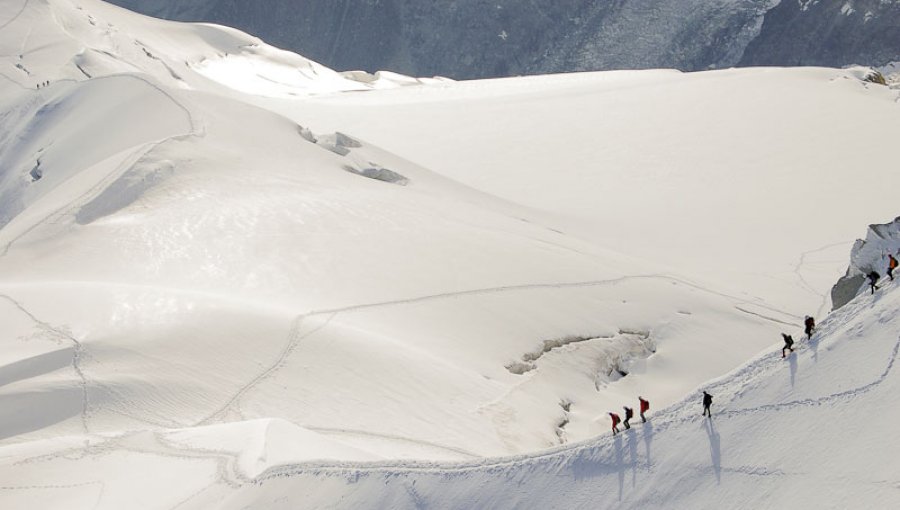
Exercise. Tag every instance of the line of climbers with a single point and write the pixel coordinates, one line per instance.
(629, 413)
(809, 326)
(874, 276)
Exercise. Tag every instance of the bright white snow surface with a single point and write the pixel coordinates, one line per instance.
(222, 264)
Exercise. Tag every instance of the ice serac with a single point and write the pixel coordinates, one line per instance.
(481, 38)
(867, 255)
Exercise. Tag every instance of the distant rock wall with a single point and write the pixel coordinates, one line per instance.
(828, 33)
(480, 38)
(868, 255)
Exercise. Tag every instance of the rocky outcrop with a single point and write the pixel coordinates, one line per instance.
(867, 255)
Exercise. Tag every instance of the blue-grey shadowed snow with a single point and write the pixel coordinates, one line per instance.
(35, 366)
(814, 345)
(620, 464)
(632, 439)
(58, 404)
(792, 359)
(715, 448)
(647, 429)
(125, 191)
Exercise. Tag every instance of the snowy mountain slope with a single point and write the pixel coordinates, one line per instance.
(810, 431)
(637, 160)
(92, 38)
(203, 289)
(220, 264)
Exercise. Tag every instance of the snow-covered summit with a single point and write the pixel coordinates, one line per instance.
(53, 40)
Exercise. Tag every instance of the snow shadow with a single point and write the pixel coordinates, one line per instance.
(715, 447)
(35, 366)
(24, 412)
(792, 360)
(596, 462)
(620, 464)
(647, 429)
(125, 191)
(814, 345)
(632, 438)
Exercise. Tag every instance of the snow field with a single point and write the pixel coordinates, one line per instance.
(234, 277)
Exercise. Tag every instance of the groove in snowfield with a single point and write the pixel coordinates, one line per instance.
(77, 353)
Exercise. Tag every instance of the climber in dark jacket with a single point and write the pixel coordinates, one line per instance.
(810, 325)
(788, 344)
(707, 401)
(873, 279)
(629, 414)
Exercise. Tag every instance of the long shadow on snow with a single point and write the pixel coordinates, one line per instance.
(24, 412)
(715, 448)
(35, 366)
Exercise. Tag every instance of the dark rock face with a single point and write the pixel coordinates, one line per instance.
(480, 38)
(828, 33)
(867, 255)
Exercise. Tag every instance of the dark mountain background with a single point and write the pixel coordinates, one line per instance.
(478, 38)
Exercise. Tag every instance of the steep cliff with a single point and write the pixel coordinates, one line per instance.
(480, 38)
(812, 32)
